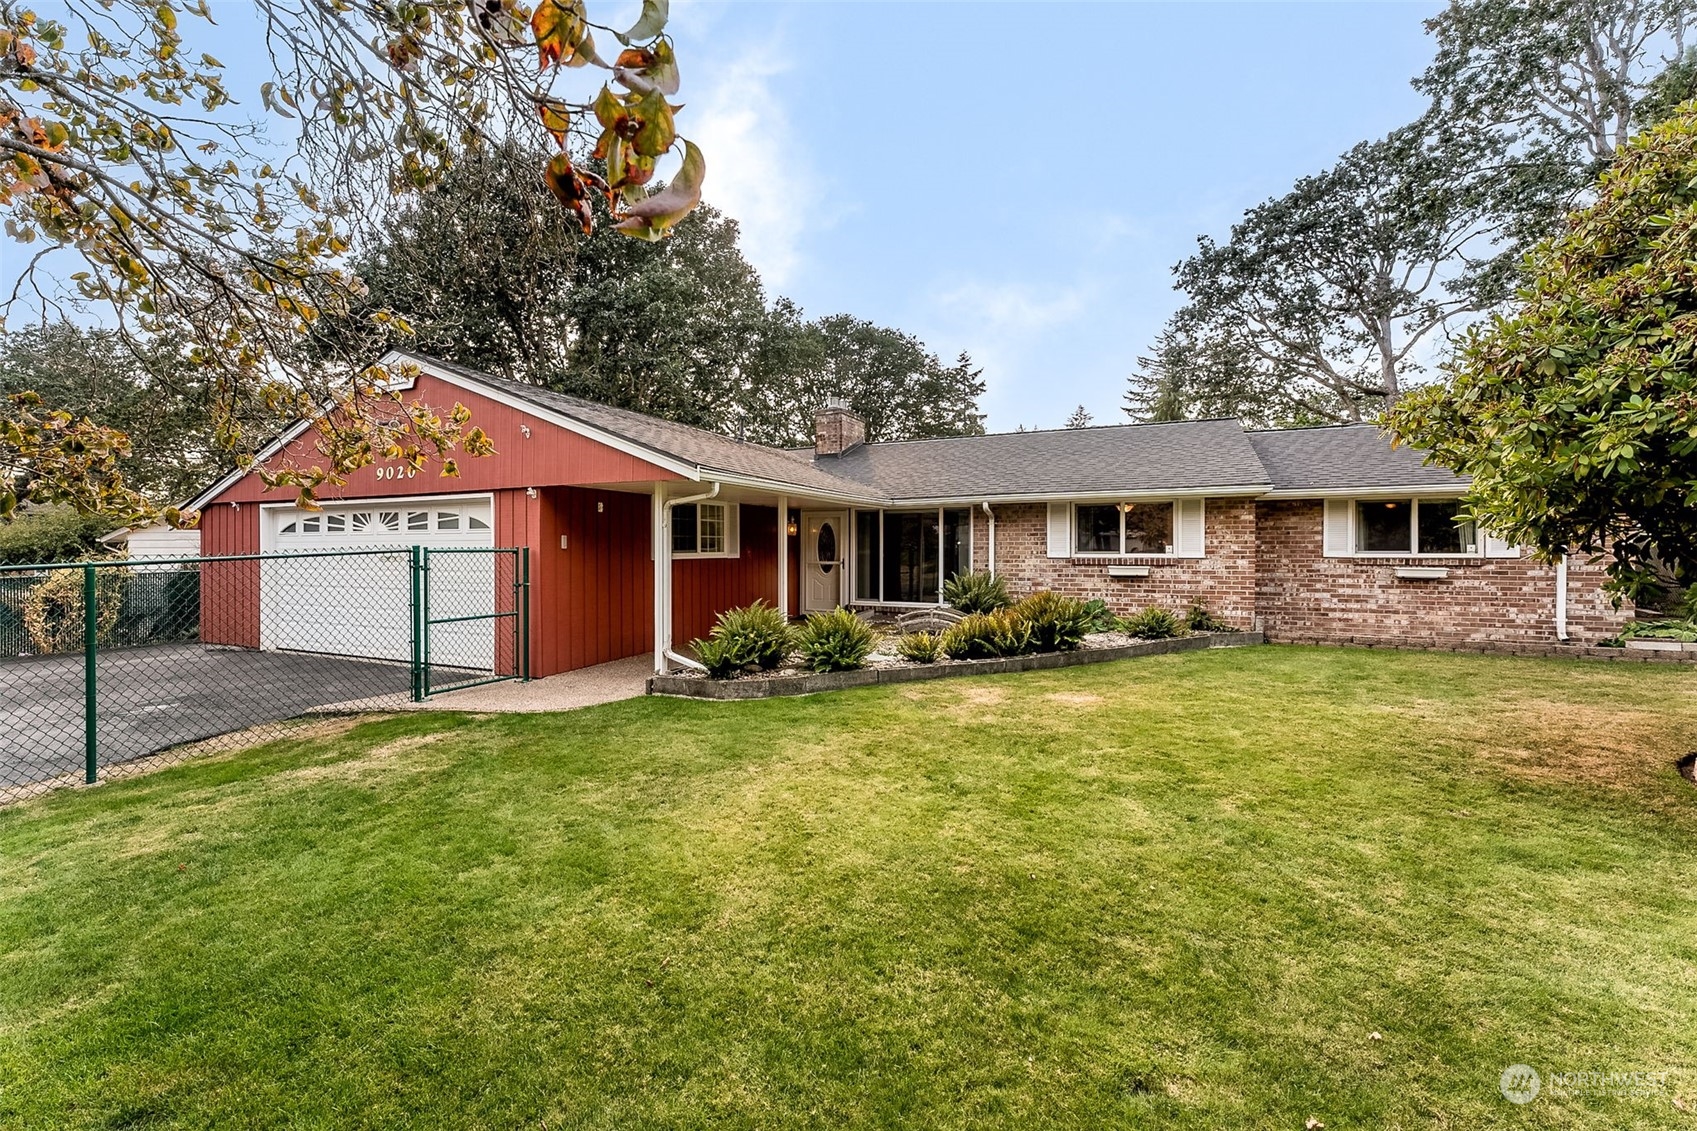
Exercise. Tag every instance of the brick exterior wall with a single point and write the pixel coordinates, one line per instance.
(1264, 566)
(1224, 579)
(1304, 595)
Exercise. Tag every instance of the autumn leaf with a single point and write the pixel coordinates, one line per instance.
(570, 189)
(501, 20)
(652, 217)
(559, 27)
(658, 131)
(663, 72)
(556, 119)
(610, 111)
(650, 24)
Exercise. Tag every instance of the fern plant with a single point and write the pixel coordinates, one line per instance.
(978, 592)
(920, 647)
(1153, 623)
(983, 636)
(1198, 619)
(837, 641)
(1057, 623)
(754, 636)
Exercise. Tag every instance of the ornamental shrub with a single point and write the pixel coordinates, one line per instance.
(53, 610)
(1153, 623)
(1199, 619)
(983, 636)
(1102, 618)
(920, 647)
(1057, 623)
(980, 592)
(837, 641)
(754, 636)
(1683, 631)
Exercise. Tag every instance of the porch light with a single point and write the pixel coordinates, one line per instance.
(791, 528)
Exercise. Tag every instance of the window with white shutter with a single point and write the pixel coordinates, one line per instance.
(1060, 530)
(1340, 528)
(1188, 541)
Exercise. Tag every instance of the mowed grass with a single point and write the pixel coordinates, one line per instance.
(1177, 892)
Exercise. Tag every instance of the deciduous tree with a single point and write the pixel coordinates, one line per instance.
(1330, 294)
(119, 149)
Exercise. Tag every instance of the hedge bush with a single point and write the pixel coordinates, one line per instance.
(837, 641)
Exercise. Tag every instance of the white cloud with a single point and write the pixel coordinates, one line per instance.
(1011, 307)
(756, 172)
(1011, 329)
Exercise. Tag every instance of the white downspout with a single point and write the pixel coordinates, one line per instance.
(1561, 598)
(663, 600)
(991, 515)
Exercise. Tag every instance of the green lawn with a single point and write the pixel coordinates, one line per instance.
(1176, 892)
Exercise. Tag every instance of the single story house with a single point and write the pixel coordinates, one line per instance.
(639, 531)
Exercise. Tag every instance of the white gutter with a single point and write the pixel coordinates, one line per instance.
(1561, 598)
(991, 515)
(663, 582)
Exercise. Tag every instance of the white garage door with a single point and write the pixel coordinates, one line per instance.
(361, 604)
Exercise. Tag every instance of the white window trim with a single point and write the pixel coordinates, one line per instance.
(878, 565)
(732, 527)
(1121, 556)
(1415, 554)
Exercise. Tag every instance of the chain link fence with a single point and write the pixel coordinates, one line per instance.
(110, 667)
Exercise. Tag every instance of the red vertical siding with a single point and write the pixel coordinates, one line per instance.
(229, 591)
(703, 587)
(529, 452)
(593, 600)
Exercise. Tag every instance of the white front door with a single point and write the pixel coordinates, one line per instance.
(824, 554)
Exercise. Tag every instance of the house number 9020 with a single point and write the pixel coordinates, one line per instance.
(396, 472)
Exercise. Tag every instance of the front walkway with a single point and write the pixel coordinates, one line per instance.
(585, 687)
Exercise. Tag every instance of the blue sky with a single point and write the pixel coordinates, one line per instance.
(1017, 180)
(1011, 179)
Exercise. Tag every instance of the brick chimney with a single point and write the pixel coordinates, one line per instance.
(836, 429)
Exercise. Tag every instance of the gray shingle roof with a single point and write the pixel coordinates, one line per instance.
(1180, 456)
(1344, 457)
(1184, 455)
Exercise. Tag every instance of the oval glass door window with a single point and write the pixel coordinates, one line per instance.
(827, 548)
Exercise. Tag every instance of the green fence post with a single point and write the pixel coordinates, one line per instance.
(424, 623)
(90, 649)
(521, 564)
(417, 624)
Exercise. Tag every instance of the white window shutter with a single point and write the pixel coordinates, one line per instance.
(1340, 528)
(733, 530)
(1188, 526)
(1499, 547)
(1060, 530)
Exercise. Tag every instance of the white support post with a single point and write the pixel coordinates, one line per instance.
(784, 556)
(662, 577)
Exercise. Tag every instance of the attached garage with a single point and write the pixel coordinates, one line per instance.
(342, 569)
